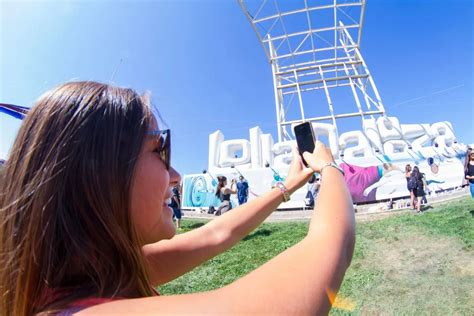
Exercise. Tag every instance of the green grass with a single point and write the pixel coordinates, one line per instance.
(403, 264)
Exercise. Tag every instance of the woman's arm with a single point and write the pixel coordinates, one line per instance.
(302, 280)
(467, 174)
(232, 189)
(169, 259)
(176, 200)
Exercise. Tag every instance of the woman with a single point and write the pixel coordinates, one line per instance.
(175, 205)
(417, 188)
(223, 194)
(312, 189)
(409, 185)
(86, 227)
(469, 171)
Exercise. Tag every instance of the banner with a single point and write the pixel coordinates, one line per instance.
(16, 111)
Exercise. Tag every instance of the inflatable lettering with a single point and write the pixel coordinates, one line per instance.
(228, 152)
(384, 137)
(374, 159)
(362, 146)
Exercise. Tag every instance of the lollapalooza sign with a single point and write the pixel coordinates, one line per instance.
(373, 160)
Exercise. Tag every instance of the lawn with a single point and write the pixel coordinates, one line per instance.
(403, 264)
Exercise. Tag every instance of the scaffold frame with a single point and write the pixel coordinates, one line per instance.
(319, 55)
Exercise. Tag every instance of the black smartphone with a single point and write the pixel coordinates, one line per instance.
(304, 138)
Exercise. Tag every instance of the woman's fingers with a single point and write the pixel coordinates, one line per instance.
(298, 174)
(319, 157)
(296, 157)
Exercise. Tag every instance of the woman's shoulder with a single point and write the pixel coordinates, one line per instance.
(470, 168)
(77, 306)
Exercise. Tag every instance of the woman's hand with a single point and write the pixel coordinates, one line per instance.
(298, 173)
(319, 157)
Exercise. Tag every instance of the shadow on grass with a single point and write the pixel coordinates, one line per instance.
(195, 225)
(472, 212)
(426, 207)
(261, 232)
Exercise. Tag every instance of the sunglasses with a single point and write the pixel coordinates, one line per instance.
(164, 150)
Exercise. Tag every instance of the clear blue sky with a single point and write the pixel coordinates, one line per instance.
(206, 70)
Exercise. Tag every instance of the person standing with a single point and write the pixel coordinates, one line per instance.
(223, 194)
(242, 190)
(312, 191)
(417, 180)
(410, 185)
(176, 205)
(470, 172)
(426, 189)
(466, 163)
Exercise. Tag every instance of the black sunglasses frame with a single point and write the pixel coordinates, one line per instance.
(164, 138)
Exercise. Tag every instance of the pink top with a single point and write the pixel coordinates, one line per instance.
(360, 178)
(84, 303)
(51, 295)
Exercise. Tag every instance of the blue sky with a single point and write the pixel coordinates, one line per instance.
(206, 69)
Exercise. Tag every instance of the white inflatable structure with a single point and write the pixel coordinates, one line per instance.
(314, 53)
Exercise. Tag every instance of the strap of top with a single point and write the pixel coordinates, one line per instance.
(81, 304)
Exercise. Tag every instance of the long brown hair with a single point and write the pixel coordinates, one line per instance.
(221, 183)
(416, 174)
(65, 226)
(468, 158)
(407, 171)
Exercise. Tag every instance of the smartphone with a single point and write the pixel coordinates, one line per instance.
(304, 138)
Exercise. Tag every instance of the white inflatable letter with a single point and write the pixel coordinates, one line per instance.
(228, 150)
(215, 140)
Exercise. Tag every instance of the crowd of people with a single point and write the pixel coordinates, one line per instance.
(417, 184)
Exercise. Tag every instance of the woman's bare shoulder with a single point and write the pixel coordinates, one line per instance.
(156, 305)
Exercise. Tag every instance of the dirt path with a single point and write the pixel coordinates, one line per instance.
(420, 274)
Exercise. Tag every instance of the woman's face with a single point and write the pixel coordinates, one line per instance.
(471, 157)
(434, 168)
(151, 193)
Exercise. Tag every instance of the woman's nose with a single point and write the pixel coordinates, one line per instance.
(175, 177)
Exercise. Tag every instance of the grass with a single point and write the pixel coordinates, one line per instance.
(403, 264)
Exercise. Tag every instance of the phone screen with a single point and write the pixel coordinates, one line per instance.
(304, 138)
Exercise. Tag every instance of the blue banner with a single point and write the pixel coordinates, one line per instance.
(16, 111)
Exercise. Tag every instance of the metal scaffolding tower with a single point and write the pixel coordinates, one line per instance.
(314, 47)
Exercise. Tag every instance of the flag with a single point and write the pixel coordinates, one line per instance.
(16, 111)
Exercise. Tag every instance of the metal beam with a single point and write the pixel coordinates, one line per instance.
(318, 66)
(309, 51)
(324, 29)
(321, 80)
(329, 117)
(275, 16)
